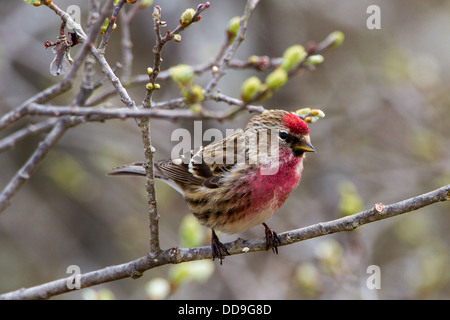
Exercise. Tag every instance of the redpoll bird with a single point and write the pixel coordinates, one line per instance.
(241, 181)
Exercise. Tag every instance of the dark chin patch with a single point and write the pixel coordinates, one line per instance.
(298, 153)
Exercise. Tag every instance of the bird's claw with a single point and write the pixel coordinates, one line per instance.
(272, 239)
(217, 248)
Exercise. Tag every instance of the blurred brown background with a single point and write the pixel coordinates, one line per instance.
(385, 138)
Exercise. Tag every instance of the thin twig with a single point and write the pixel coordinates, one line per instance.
(231, 50)
(110, 27)
(29, 167)
(102, 113)
(161, 42)
(31, 129)
(66, 82)
(87, 83)
(144, 123)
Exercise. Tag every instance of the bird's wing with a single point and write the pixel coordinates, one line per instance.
(206, 166)
(178, 171)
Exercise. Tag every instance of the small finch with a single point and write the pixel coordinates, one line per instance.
(239, 182)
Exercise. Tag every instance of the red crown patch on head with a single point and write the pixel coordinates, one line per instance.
(295, 124)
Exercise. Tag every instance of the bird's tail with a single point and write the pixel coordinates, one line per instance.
(136, 169)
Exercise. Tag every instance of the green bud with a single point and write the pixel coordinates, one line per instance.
(316, 114)
(193, 94)
(276, 79)
(250, 88)
(157, 86)
(195, 108)
(177, 37)
(35, 3)
(182, 74)
(233, 27)
(104, 26)
(201, 270)
(350, 201)
(267, 93)
(330, 255)
(179, 274)
(292, 56)
(193, 271)
(253, 59)
(149, 86)
(314, 60)
(311, 115)
(146, 3)
(186, 17)
(157, 289)
(308, 279)
(336, 38)
(302, 111)
(149, 70)
(197, 92)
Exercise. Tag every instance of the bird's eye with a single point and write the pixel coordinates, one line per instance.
(283, 135)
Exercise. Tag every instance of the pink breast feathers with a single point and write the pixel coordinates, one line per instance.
(272, 190)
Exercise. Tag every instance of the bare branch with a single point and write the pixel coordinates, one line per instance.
(29, 167)
(12, 139)
(229, 53)
(66, 83)
(134, 269)
(102, 113)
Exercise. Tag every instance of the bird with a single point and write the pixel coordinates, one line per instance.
(241, 181)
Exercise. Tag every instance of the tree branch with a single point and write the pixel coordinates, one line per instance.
(28, 168)
(134, 269)
(231, 50)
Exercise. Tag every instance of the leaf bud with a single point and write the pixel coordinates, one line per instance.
(250, 88)
(186, 17)
(314, 60)
(293, 56)
(182, 74)
(177, 37)
(146, 3)
(336, 38)
(233, 27)
(193, 94)
(276, 79)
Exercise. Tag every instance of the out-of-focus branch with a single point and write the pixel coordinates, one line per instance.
(134, 269)
(28, 168)
(12, 139)
(62, 124)
(231, 50)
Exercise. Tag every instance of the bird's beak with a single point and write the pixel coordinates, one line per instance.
(305, 146)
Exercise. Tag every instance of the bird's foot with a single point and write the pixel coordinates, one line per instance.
(217, 247)
(272, 239)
